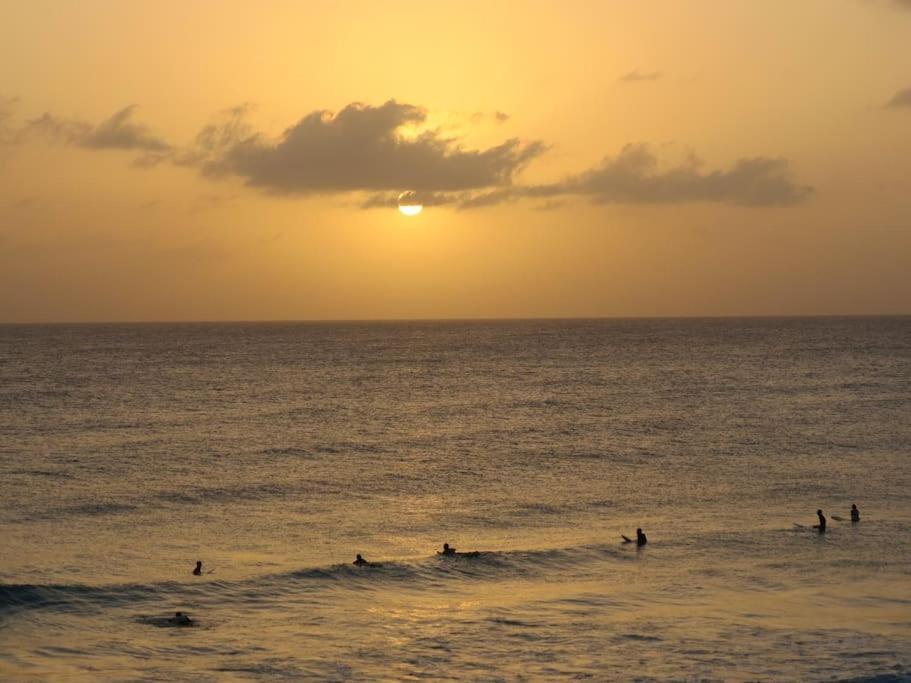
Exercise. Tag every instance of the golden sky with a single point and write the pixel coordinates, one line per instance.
(227, 160)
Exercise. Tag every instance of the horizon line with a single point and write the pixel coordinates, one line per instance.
(466, 319)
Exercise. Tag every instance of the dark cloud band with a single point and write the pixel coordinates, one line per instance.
(381, 151)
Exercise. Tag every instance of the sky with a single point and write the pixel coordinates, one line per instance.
(226, 160)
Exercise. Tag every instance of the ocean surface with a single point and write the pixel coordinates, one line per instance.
(276, 452)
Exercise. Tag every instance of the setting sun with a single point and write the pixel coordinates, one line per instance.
(409, 204)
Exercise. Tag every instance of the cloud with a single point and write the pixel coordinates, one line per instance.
(378, 152)
(902, 98)
(634, 176)
(360, 148)
(383, 200)
(117, 132)
(636, 77)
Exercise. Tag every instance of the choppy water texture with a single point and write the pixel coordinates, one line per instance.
(275, 452)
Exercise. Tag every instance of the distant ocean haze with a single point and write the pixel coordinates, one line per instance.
(276, 452)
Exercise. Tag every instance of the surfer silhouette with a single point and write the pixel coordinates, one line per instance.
(449, 551)
(855, 514)
(822, 522)
(181, 619)
(198, 570)
(361, 562)
(641, 540)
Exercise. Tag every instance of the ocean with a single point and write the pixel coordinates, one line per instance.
(276, 452)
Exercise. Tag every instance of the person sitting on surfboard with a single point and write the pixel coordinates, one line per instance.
(198, 570)
(360, 562)
(822, 522)
(447, 550)
(855, 513)
(641, 540)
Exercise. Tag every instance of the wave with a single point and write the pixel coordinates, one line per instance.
(428, 573)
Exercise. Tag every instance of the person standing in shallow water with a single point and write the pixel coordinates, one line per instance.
(198, 570)
(822, 522)
(641, 540)
(855, 513)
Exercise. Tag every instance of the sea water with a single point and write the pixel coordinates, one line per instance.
(274, 453)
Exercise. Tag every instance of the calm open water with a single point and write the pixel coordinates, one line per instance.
(275, 452)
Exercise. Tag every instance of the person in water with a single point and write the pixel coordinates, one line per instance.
(822, 522)
(641, 540)
(449, 551)
(360, 562)
(198, 570)
(181, 619)
(855, 514)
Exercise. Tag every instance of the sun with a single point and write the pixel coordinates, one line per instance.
(410, 204)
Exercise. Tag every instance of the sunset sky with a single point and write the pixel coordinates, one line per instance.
(190, 160)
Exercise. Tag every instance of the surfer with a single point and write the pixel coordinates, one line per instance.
(198, 570)
(361, 562)
(855, 513)
(180, 619)
(822, 522)
(641, 540)
(449, 551)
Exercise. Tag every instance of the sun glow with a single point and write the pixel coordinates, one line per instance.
(411, 209)
(410, 204)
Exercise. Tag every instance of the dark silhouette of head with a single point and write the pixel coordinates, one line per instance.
(638, 531)
(853, 506)
(445, 546)
(819, 512)
(178, 614)
(358, 558)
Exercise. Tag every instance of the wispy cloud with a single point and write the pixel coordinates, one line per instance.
(635, 176)
(119, 131)
(636, 76)
(900, 99)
